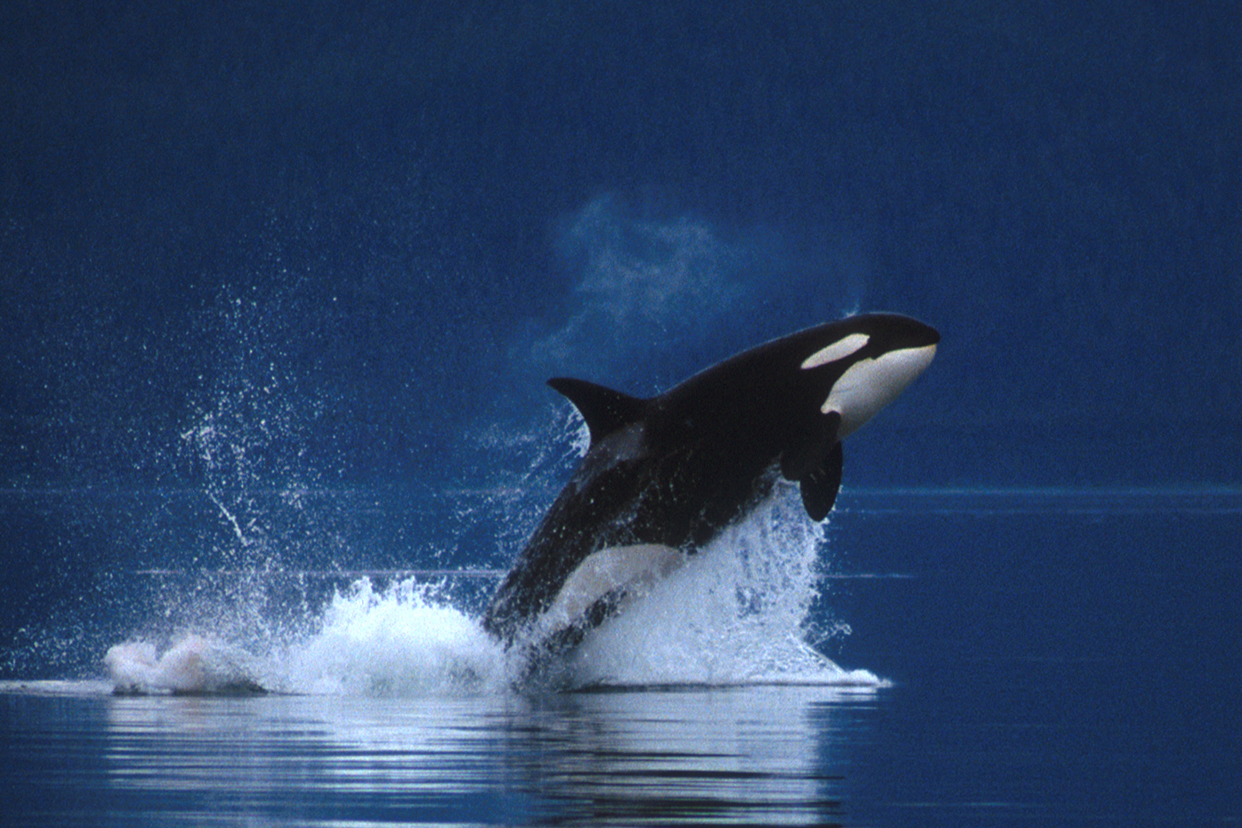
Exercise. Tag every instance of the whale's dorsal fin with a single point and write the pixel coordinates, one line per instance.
(603, 409)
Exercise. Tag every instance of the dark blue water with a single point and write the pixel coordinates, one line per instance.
(1052, 658)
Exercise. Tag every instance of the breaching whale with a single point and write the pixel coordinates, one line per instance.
(664, 475)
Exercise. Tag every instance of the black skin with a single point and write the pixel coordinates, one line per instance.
(678, 468)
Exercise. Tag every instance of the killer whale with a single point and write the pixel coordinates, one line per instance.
(664, 475)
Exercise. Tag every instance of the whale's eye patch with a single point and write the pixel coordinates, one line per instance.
(838, 350)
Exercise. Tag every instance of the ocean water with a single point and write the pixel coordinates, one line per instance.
(929, 657)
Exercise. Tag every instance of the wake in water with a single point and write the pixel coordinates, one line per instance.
(736, 613)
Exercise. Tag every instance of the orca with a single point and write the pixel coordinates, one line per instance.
(663, 476)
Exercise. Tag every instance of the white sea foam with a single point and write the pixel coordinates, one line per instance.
(194, 664)
(404, 640)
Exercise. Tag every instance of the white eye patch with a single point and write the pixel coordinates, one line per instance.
(838, 350)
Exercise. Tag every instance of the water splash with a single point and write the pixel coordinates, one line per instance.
(405, 640)
(245, 445)
(737, 613)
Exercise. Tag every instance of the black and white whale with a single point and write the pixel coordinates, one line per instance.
(663, 476)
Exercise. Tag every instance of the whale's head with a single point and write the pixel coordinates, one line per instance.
(866, 361)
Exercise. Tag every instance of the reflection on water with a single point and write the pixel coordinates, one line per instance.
(728, 756)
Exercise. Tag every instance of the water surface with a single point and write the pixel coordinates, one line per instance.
(1044, 658)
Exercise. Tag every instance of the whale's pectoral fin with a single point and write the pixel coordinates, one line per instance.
(814, 461)
(603, 409)
(820, 487)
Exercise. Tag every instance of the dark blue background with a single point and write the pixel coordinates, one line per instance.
(402, 217)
